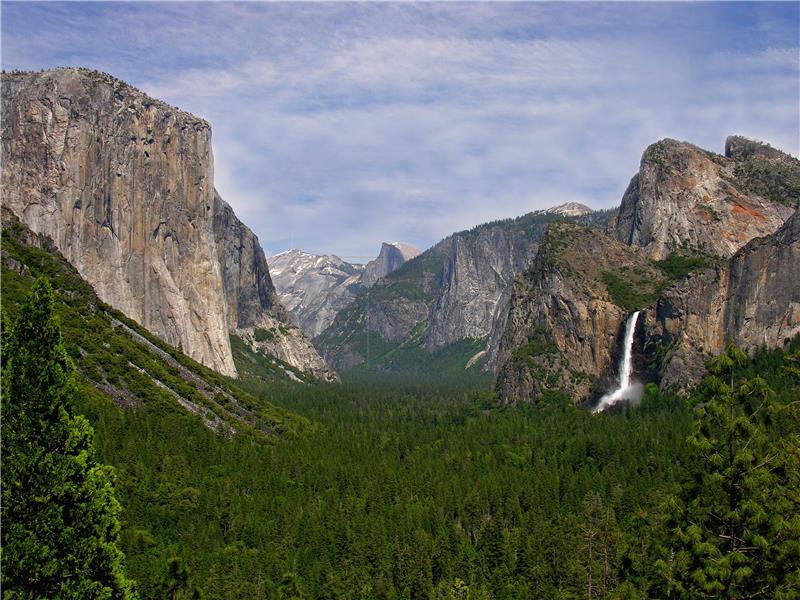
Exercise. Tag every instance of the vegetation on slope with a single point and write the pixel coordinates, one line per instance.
(60, 516)
(419, 282)
(121, 359)
(775, 180)
(421, 489)
(637, 288)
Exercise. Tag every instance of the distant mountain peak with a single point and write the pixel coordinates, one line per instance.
(407, 250)
(391, 257)
(315, 287)
(569, 209)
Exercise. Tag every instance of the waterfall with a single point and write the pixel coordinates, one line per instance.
(623, 392)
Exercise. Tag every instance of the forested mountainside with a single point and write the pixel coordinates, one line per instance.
(315, 288)
(569, 309)
(439, 310)
(120, 361)
(124, 186)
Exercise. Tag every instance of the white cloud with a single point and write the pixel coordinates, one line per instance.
(337, 126)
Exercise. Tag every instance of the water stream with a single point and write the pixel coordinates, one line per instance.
(625, 391)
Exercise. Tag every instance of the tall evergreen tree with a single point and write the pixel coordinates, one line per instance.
(60, 517)
(734, 528)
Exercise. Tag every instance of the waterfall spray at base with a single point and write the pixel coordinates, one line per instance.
(625, 391)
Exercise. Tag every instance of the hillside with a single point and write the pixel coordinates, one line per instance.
(120, 361)
(441, 307)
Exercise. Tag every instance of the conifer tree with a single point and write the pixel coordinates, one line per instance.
(735, 527)
(60, 517)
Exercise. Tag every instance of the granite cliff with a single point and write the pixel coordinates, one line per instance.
(124, 186)
(696, 250)
(389, 259)
(568, 313)
(126, 363)
(685, 198)
(449, 298)
(752, 300)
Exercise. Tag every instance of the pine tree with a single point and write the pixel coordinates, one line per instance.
(734, 527)
(60, 517)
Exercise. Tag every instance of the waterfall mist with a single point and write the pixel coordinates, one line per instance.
(626, 390)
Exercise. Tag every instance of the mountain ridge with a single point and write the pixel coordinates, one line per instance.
(314, 288)
(454, 291)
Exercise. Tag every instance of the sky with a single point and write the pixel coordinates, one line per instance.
(337, 126)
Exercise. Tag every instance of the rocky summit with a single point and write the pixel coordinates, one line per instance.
(124, 186)
(689, 199)
(389, 259)
(315, 288)
(569, 209)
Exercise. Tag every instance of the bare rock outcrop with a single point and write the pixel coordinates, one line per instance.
(752, 300)
(456, 292)
(566, 317)
(685, 198)
(390, 258)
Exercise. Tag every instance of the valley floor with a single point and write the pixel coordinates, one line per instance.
(408, 491)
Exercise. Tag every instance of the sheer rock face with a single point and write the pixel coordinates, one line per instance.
(390, 258)
(459, 289)
(251, 300)
(450, 292)
(563, 329)
(249, 293)
(753, 299)
(123, 184)
(686, 198)
(477, 276)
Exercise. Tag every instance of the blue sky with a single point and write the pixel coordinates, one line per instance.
(340, 125)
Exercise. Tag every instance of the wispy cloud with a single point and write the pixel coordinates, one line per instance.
(337, 126)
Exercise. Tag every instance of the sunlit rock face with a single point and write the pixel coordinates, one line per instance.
(390, 258)
(314, 288)
(564, 329)
(752, 300)
(739, 210)
(685, 198)
(457, 290)
(124, 186)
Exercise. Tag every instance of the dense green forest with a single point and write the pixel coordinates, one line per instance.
(412, 492)
(425, 488)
